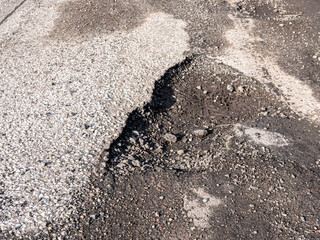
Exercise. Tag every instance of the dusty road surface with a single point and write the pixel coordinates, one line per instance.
(8, 7)
(164, 119)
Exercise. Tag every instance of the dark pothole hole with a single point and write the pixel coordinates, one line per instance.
(138, 122)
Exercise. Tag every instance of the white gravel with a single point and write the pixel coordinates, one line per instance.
(61, 103)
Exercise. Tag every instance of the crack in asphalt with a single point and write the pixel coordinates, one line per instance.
(12, 12)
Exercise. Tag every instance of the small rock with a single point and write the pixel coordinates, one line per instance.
(205, 200)
(109, 187)
(136, 133)
(159, 150)
(180, 152)
(228, 143)
(121, 165)
(200, 132)
(94, 215)
(230, 88)
(282, 115)
(170, 138)
(141, 141)
(146, 146)
(241, 89)
(136, 163)
(132, 140)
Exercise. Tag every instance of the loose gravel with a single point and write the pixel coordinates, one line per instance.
(213, 154)
(62, 102)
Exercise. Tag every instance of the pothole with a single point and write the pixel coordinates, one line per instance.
(185, 125)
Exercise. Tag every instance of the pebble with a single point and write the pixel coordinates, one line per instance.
(205, 200)
(170, 138)
(230, 88)
(94, 215)
(121, 165)
(132, 140)
(180, 152)
(200, 132)
(136, 163)
(159, 150)
(141, 141)
(136, 133)
(241, 89)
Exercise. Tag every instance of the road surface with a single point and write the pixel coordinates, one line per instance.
(159, 119)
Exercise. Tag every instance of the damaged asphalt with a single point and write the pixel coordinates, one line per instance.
(160, 120)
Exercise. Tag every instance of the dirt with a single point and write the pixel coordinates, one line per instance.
(211, 184)
(264, 189)
(193, 96)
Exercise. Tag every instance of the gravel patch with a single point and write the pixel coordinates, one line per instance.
(62, 102)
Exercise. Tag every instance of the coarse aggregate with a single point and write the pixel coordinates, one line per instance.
(62, 102)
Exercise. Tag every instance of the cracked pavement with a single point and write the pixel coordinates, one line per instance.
(88, 89)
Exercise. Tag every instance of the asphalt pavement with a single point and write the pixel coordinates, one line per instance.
(79, 78)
